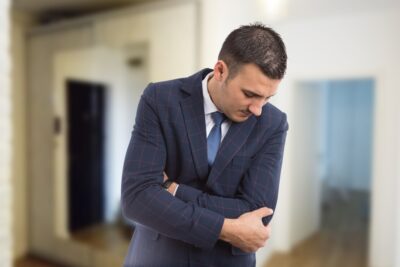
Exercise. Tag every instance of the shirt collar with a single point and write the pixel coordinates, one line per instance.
(209, 106)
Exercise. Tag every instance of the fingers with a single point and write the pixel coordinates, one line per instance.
(263, 212)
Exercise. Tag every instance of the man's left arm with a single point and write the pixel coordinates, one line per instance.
(258, 188)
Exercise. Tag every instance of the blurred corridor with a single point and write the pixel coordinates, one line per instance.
(342, 239)
(71, 76)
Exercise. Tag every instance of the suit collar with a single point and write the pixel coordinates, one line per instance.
(192, 83)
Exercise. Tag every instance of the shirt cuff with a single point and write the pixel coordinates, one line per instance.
(176, 189)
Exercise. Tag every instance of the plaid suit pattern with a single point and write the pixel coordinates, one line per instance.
(169, 135)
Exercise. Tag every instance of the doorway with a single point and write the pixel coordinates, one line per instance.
(85, 107)
(331, 129)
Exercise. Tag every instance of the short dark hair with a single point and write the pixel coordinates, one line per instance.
(257, 44)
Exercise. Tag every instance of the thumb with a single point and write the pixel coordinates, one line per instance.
(263, 212)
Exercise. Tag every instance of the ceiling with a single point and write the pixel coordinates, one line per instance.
(70, 6)
(47, 11)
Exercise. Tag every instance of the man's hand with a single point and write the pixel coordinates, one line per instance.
(247, 232)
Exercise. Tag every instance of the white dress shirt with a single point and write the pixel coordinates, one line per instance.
(209, 107)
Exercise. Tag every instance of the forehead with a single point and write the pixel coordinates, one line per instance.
(251, 78)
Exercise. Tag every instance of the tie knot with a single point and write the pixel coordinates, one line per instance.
(218, 117)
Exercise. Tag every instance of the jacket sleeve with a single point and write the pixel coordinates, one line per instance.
(143, 198)
(258, 188)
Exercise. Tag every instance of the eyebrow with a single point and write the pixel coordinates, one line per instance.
(257, 94)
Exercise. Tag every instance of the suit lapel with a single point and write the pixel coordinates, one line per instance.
(193, 112)
(233, 141)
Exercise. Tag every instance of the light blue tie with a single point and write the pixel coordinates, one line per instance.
(214, 137)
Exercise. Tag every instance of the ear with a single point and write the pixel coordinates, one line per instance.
(221, 71)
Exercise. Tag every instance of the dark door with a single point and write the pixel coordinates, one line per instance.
(85, 102)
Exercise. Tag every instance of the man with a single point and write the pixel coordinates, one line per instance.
(201, 173)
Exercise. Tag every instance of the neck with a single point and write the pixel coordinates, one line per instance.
(211, 88)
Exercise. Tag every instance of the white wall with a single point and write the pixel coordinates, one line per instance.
(218, 19)
(305, 189)
(156, 28)
(6, 193)
(397, 264)
(20, 23)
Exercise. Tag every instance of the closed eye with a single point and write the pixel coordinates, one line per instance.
(248, 94)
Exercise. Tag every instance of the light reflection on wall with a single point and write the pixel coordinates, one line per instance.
(273, 9)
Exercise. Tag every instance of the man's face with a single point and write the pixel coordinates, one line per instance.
(246, 93)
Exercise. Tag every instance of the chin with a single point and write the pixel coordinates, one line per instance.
(239, 118)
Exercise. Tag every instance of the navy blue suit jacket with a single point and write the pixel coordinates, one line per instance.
(170, 135)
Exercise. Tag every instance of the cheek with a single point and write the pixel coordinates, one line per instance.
(234, 100)
(228, 100)
(241, 102)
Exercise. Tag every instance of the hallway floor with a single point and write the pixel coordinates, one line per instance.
(342, 240)
(31, 261)
(112, 239)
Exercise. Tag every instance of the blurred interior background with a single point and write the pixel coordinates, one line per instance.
(71, 75)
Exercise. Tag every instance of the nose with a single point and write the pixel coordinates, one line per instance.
(256, 108)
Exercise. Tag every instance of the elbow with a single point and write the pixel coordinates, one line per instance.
(127, 202)
(134, 194)
(129, 193)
